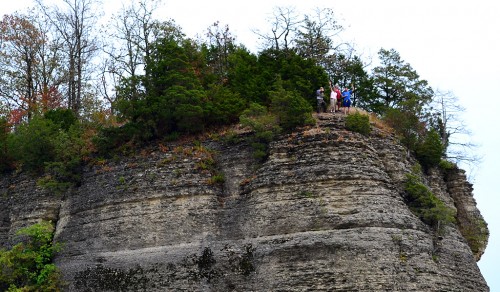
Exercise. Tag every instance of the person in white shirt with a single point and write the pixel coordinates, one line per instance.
(333, 99)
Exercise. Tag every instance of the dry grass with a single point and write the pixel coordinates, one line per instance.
(313, 131)
(375, 121)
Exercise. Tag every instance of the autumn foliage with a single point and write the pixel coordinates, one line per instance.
(68, 90)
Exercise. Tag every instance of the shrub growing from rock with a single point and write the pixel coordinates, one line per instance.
(424, 204)
(358, 123)
(28, 266)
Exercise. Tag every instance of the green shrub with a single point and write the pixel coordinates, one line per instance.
(232, 138)
(70, 148)
(116, 139)
(32, 143)
(264, 125)
(424, 204)
(430, 151)
(258, 118)
(217, 179)
(64, 118)
(28, 266)
(407, 126)
(476, 234)
(358, 123)
(290, 108)
(189, 118)
(223, 106)
(446, 165)
(260, 150)
(54, 185)
(51, 146)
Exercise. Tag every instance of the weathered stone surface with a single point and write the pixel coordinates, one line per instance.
(23, 203)
(323, 213)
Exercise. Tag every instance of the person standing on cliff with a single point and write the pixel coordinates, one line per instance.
(346, 95)
(339, 97)
(335, 96)
(320, 94)
(332, 97)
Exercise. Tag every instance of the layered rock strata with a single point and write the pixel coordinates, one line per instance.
(324, 212)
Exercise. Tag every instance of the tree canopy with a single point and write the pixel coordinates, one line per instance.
(143, 79)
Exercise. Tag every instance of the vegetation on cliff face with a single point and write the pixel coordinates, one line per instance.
(423, 203)
(27, 266)
(476, 234)
(472, 226)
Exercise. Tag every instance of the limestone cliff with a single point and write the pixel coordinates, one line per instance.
(325, 212)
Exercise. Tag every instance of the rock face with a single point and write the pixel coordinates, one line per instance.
(324, 212)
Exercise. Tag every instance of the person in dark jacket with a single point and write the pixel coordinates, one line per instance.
(320, 94)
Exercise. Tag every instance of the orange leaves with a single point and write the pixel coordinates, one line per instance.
(20, 31)
(47, 100)
(21, 45)
(50, 98)
(16, 116)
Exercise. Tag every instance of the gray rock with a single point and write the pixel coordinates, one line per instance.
(324, 212)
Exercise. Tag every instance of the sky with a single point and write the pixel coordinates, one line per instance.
(454, 45)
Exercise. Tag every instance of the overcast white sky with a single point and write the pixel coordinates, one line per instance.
(454, 45)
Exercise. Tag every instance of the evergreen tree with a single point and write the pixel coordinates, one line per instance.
(407, 126)
(245, 77)
(398, 86)
(172, 97)
(298, 74)
(350, 72)
(222, 106)
(32, 143)
(430, 150)
(291, 109)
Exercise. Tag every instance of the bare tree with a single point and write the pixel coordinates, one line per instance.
(284, 24)
(49, 75)
(74, 26)
(220, 44)
(133, 30)
(30, 61)
(455, 135)
(108, 80)
(316, 37)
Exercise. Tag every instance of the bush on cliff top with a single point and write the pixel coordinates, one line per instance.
(359, 123)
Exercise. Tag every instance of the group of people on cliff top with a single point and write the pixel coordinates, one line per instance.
(338, 99)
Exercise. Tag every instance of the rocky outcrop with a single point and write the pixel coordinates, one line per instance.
(324, 212)
(469, 220)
